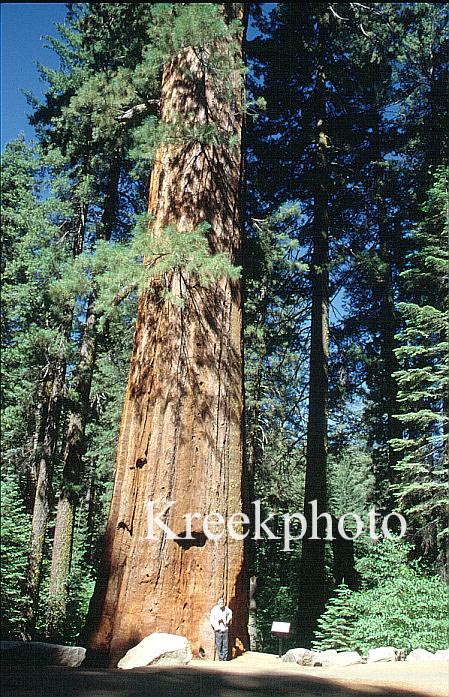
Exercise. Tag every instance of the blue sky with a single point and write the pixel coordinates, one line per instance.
(23, 26)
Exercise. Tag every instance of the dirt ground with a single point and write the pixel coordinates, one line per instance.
(425, 677)
(251, 675)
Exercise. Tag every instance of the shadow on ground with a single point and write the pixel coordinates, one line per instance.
(174, 682)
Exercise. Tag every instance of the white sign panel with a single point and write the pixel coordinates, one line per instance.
(281, 627)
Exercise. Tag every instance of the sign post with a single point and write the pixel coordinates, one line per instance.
(281, 630)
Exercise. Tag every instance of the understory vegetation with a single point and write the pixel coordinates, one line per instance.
(345, 276)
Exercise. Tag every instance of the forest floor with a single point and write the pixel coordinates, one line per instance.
(251, 675)
(423, 678)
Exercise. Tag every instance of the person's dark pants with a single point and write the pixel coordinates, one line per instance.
(221, 643)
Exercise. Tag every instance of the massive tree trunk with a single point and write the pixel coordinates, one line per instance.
(181, 431)
(312, 578)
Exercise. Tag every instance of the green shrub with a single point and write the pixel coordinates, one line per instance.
(408, 611)
(397, 605)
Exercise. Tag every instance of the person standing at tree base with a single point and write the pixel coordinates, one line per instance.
(220, 618)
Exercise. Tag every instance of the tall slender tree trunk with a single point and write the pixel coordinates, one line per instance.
(386, 425)
(89, 512)
(253, 448)
(39, 422)
(385, 473)
(312, 574)
(75, 436)
(181, 431)
(43, 495)
(47, 441)
(252, 618)
(72, 475)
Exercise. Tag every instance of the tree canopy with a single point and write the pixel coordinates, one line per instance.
(199, 163)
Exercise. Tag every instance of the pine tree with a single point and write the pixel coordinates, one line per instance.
(87, 116)
(423, 380)
(36, 330)
(407, 48)
(313, 80)
(335, 626)
(397, 605)
(274, 393)
(400, 603)
(15, 531)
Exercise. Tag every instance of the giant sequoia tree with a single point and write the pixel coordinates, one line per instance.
(344, 192)
(181, 432)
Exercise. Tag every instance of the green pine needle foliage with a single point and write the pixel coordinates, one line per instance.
(114, 271)
(15, 534)
(423, 381)
(397, 605)
(335, 626)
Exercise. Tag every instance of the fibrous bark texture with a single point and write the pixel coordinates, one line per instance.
(181, 436)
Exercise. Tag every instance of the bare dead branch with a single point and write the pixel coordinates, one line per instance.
(123, 294)
(149, 107)
(343, 19)
(366, 7)
(364, 32)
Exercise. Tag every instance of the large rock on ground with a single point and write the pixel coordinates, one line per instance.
(341, 659)
(326, 657)
(35, 654)
(331, 657)
(420, 655)
(383, 654)
(303, 657)
(157, 648)
(424, 655)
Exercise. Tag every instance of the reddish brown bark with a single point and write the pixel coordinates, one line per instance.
(181, 433)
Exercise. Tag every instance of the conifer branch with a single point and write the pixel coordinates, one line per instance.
(149, 107)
